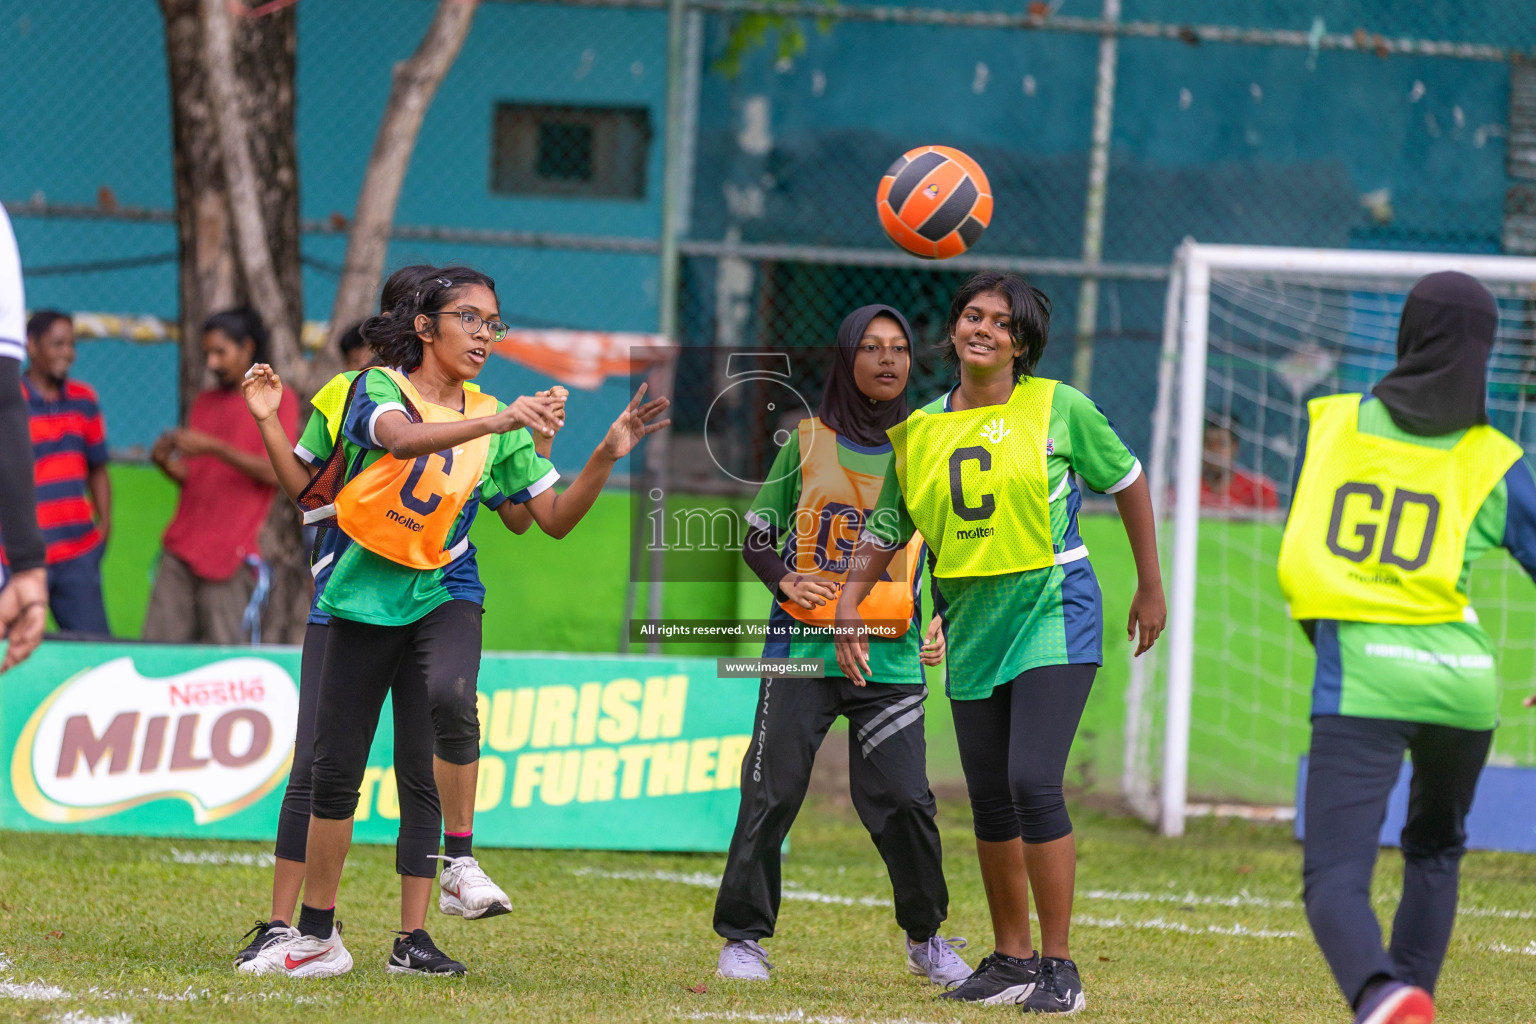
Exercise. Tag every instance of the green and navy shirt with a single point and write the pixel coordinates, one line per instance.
(1444, 673)
(364, 587)
(998, 627)
(893, 661)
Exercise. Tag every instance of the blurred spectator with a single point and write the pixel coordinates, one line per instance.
(1222, 483)
(355, 351)
(74, 495)
(24, 590)
(210, 567)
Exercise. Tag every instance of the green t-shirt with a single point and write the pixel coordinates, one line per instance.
(366, 587)
(998, 627)
(894, 661)
(1444, 673)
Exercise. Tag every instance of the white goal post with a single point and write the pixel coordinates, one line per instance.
(1251, 333)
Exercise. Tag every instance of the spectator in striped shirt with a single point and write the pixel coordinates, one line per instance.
(74, 495)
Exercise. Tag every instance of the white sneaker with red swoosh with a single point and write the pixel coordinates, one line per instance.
(302, 956)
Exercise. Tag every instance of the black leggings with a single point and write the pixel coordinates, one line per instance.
(435, 661)
(420, 814)
(1353, 766)
(1013, 750)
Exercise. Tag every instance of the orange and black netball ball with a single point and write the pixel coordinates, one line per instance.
(934, 202)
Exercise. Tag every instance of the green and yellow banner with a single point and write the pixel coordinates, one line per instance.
(587, 751)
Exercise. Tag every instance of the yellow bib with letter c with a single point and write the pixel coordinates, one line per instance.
(975, 482)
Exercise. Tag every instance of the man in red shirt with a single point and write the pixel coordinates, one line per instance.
(1222, 483)
(206, 582)
(74, 495)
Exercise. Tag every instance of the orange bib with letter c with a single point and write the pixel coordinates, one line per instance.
(404, 509)
(834, 502)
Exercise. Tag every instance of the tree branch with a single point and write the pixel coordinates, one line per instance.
(416, 81)
(244, 198)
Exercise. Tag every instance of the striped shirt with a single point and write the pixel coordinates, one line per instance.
(69, 439)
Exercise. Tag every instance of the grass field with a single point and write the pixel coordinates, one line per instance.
(1205, 929)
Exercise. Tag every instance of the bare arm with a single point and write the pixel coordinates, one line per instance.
(100, 485)
(405, 440)
(263, 391)
(515, 516)
(558, 514)
(195, 442)
(1149, 609)
(868, 564)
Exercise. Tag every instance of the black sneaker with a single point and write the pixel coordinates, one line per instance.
(266, 933)
(416, 953)
(997, 981)
(1060, 989)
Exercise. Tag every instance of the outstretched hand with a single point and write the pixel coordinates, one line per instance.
(263, 390)
(1530, 701)
(634, 424)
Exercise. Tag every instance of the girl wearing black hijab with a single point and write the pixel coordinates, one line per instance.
(1396, 495)
(802, 528)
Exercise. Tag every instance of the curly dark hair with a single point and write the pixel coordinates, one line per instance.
(404, 283)
(1029, 318)
(393, 333)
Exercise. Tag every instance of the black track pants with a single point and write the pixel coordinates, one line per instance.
(421, 817)
(433, 662)
(1353, 765)
(1013, 749)
(888, 779)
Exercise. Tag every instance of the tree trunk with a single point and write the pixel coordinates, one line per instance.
(415, 83)
(259, 66)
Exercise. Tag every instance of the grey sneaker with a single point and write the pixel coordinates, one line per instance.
(937, 961)
(743, 960)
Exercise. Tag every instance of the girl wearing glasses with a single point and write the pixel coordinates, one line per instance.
(420, 814)
(415, 451)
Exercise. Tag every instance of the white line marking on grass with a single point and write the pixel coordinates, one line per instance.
(792, 1017)
(708, 881)
(1529, 950)
(1242, 899)
(30, 990)
(76, 1017)
(1159, 924)
(1517, 915)
(216, 857)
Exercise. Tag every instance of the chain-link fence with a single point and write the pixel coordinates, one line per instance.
(575, 146)
(1350, 123)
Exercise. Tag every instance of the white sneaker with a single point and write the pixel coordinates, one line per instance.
(468, 892)
(937, 961)
(302, 956)
(743, 960)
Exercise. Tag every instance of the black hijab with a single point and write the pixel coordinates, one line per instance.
(847, 410)
(1440, 383)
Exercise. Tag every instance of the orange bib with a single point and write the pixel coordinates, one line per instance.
(404, 510)
(834, 502)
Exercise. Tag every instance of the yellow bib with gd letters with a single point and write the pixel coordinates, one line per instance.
(975, 483)
(1378, 526)
(834, 502)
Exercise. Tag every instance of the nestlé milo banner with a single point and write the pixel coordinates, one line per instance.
(579, 751)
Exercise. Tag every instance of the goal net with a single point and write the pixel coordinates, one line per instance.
(1218, 712)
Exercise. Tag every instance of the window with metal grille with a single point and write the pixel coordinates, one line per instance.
(585, 152)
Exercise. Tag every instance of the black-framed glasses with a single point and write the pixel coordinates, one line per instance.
(473, 321)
